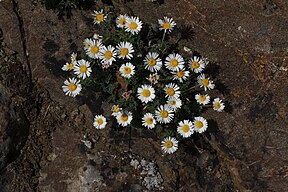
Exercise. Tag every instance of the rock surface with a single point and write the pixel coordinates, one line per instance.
(47, 140)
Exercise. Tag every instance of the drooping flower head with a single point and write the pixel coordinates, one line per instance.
(115, 110)
(153, 78)
(87, 43)
(70, 66)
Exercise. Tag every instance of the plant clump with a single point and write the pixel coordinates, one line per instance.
(147, 80)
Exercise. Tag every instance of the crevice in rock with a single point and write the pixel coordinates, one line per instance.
(23, 40)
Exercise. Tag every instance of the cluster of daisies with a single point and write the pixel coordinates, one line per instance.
(180, 70)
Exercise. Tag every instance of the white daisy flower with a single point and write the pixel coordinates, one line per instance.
(166, 24)
(164, 114)
(174, 103)
(133, 25)
(180, 75)
(127, 70)
(174, 62)
(99, 122)
(218, 105)
(124, 118)
(121, 20)
(87, 43)
(172, 90)
(196, 64)
(185, 128)
(205, 82)
(68, 66)
(200, 124)
(115, 110)
(153, 78)
(93, 51)
(148, 121)
(125, 50)
(99, 16)
(82, 69)
(169, 145)
(152, 62)
(72, 87)
(107, 54)
(202, 99)
(146, 93)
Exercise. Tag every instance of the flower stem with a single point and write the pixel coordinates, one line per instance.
(190, 88)
(163, 37)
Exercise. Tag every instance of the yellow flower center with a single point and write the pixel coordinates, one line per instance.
(205, 82)
(166, 25)
(122, 21)
(195, 65)
(70, 66)
(127, 70)
(180, 74)
(100, 121)
(199, 124)
(133, 25)
(72, 87)
(185, 128)
(217, 105)
(173, 62)
(173, 102)
(146, 93)
(94, 49)
(124, 51)
(83, 69)
(115, 109)
(170, 91)
(152, 62)
(168, 144)
(99, 17)
(164, 114)
(124, 117)
(149, 120)
(108, 54)
(202, 98)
